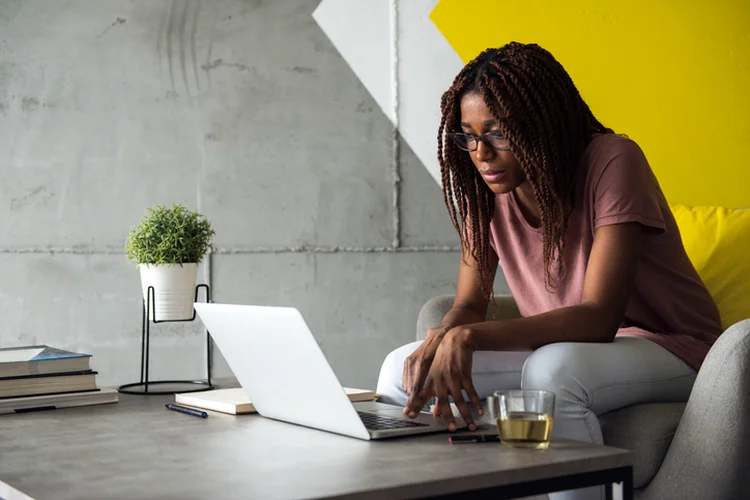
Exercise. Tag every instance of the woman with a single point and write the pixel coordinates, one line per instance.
(613, 312)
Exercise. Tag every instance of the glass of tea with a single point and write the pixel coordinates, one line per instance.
(524, 417)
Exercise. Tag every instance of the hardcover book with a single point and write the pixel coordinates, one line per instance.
(39, 360)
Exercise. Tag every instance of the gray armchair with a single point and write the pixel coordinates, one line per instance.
(699, 450)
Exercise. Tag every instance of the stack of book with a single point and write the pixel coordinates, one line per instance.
(43, 378)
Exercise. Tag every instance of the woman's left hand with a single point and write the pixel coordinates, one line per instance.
(449, 374)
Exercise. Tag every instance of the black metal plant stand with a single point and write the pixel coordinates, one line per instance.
(142, 387)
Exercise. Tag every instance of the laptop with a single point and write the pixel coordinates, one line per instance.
(281, 367)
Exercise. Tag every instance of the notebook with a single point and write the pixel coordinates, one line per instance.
(40, 359)
(236, 402)
(56, 401)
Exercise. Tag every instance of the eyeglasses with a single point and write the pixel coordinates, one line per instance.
(470, 142)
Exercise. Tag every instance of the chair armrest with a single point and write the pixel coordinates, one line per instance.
(710, 454)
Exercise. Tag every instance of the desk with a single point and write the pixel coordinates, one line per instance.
(138, 449)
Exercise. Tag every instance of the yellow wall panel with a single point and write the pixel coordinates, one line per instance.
(672, 75)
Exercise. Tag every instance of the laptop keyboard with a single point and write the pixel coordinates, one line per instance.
(377, 422)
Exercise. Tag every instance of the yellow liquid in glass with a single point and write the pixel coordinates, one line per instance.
(525, 430)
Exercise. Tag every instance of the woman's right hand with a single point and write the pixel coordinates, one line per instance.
(417, 366)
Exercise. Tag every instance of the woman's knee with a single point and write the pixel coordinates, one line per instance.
(558, 367)
(391, 373)
(393, 366)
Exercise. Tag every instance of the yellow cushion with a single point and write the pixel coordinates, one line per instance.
(717, 241)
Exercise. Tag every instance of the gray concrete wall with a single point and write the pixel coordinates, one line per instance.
(241, 109)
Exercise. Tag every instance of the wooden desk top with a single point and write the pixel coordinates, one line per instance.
(139, 449)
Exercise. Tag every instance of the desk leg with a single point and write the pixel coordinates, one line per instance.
(627, 485)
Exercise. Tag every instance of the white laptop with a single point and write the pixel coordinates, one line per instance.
(281, 367)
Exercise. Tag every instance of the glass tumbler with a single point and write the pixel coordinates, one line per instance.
(524, 417)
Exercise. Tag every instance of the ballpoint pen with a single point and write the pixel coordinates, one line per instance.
(186, 410)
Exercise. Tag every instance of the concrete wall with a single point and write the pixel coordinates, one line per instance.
(241, 109)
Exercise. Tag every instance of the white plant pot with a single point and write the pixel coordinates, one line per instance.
(174, 290)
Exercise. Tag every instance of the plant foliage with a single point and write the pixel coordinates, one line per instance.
(169, 236)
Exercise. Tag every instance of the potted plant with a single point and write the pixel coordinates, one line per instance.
(167, 246)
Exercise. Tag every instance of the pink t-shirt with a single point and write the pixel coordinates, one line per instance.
(669, 304)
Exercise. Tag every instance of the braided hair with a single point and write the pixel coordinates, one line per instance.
(548, 125)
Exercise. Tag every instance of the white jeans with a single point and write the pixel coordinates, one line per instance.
(588, 379)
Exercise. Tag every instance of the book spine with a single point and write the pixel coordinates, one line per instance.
(56, 374)
(48, 394)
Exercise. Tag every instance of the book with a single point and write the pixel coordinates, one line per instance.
(40, 359)
(236, 402)
(357, 395)
(48, 383)
(55, 401)
(233, 401)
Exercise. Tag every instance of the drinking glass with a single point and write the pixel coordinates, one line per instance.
(524, 417)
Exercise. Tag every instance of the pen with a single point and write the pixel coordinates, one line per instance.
(186, 410)
(476, 438)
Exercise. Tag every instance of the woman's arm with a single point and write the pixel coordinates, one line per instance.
(470, 304)
(607, 286)
(469, 307)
